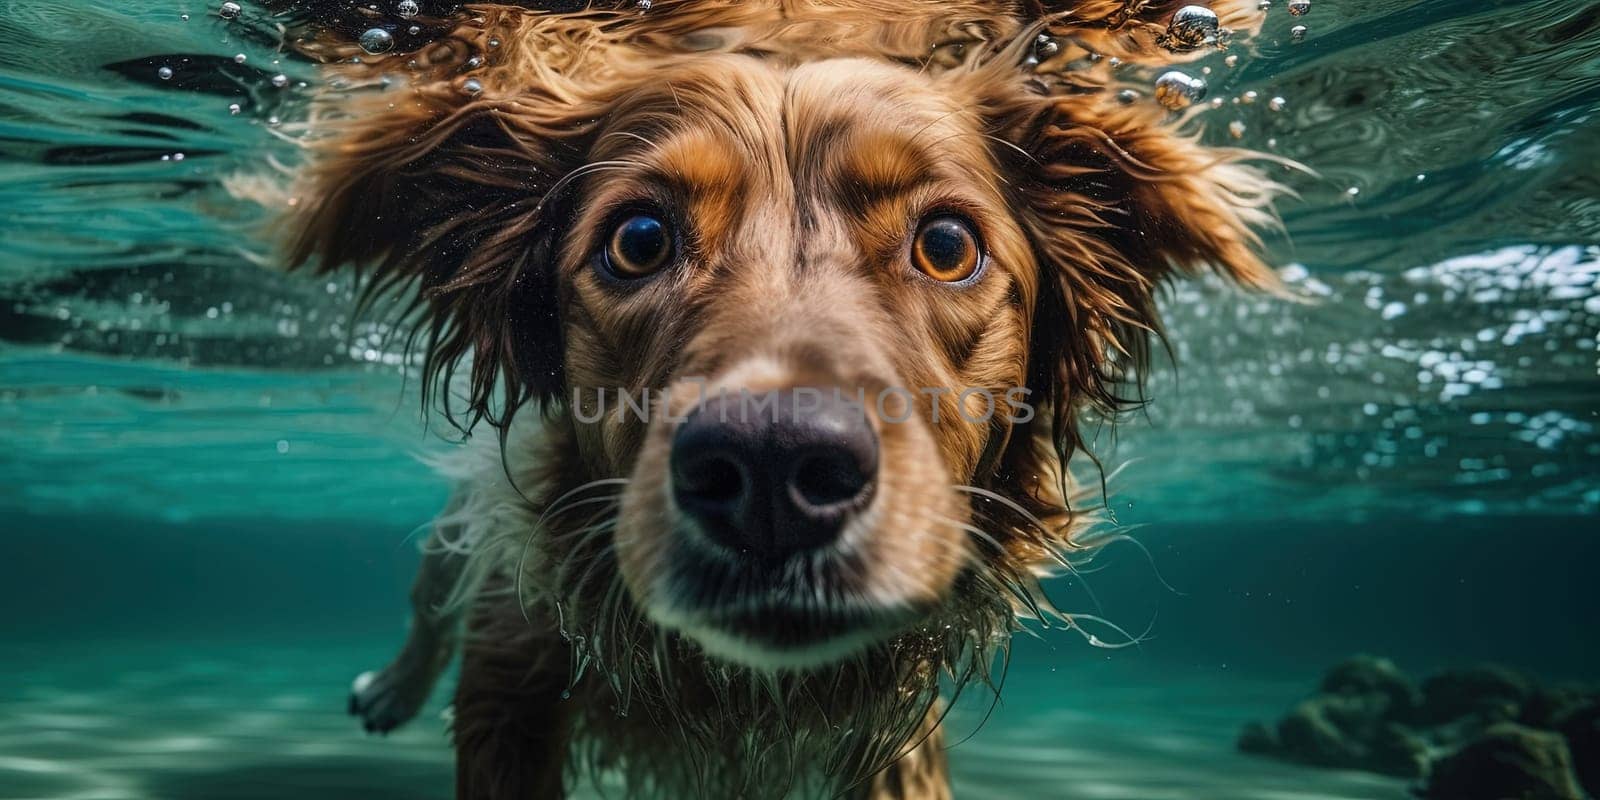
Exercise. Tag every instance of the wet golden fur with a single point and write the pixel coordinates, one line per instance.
(796, 141)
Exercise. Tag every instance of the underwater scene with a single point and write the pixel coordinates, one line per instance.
(1345, 548)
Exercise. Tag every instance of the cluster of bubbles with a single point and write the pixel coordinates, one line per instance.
(229, 11)
(1195, 26)
(1298, 8)
(377, 41)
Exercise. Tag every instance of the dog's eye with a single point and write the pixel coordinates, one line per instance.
(946, 248)
(640, 245)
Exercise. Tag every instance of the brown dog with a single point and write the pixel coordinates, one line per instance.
(917, 238)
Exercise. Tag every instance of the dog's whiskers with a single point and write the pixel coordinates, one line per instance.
(1026, 590)
(555, 508)
(1058, 533)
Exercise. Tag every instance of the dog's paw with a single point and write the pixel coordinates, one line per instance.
(387, 699)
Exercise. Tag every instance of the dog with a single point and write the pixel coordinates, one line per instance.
(625, 225)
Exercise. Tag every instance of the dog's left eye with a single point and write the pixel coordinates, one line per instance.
(946, 248)
(639, 245)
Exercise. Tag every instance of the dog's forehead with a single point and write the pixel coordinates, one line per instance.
(849, 121)
(833, 97)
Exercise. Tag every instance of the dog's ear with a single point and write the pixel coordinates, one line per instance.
(1117, 200)
(1116, 203)
(452, 183)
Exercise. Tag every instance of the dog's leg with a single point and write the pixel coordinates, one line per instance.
(922, 774)
(511, 715)
(386, 699)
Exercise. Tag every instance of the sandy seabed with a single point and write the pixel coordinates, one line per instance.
(144, 720)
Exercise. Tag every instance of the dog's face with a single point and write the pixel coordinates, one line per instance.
(807, 259)
(809, 309)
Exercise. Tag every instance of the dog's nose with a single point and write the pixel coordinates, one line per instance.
(775, 473)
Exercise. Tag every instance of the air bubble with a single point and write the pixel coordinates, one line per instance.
(1299, 8)
(1045, 47)
(1276, 103)
(165, 73)
(280, 80)
(1298, 33)
(407, 8)
(376, 41)
(472, 86)
(1191, 27)
(229, 10)
(1236, 129)
(234, 108)
(1177, 90)
(240, 58)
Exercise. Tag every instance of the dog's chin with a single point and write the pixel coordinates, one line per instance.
(771, 636)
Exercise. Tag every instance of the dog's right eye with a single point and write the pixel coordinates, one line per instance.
(640, 245)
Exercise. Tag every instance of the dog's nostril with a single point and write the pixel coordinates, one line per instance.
(715, 479)
(828, 478)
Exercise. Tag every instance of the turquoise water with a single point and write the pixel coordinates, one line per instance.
(209, 474)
